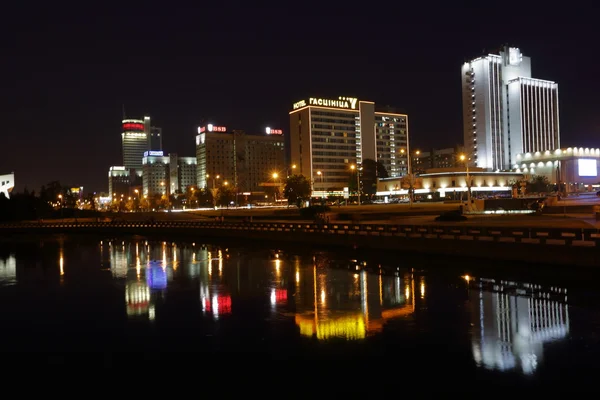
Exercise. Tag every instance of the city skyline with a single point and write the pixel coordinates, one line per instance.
(68, 78)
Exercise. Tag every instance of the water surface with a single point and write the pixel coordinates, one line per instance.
(114, 297)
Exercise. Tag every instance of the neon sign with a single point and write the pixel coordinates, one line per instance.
(128, 126)
(274, 131)
(212, 128)
(341, 102)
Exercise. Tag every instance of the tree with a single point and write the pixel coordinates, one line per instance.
(225, 195)
(297, 188)
(371, 171)
(538, 184)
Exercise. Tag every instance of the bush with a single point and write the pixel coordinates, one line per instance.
(312, 211)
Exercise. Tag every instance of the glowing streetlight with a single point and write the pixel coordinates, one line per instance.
(466, 160)
(353, 167)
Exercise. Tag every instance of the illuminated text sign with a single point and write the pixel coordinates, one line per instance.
(128, 126)
(271, 131)
(212, 128)
(153, 153)
(299, 104)
(341, 102)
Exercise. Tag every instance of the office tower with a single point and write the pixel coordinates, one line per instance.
(244, 160)
(328, 136)
(167, 175)
(505, 111)
(120, 180)
(154, 135)
(135, 142)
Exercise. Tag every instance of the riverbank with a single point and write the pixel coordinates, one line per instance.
(543, 240)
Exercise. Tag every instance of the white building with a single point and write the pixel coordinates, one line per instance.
(506, 111)
(7, 184)
(576, 168)
(328, 136)
(166, 175)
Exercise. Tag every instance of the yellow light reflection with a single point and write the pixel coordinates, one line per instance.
(407, 293)
(422, 288)
(297, 276)
(220, 262)
(352, 327)
(61, 263)
(209, 263)
(467, 278)
(138, 266)
(322, 297)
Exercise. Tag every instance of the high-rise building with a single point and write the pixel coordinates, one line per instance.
(244, 160)
(135, 142)
(505, 111)
(166, 175)
(137, 137)
(328, 136)
(154, 135)
(120, 180)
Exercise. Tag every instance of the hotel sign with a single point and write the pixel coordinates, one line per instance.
(349, 103)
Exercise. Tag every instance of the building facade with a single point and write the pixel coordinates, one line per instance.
(421, 161)
(505, 111)
(575, 169)
(137, 137)
(243, 160)
(329, 136)
(121, 179)
(7, 184)
(451, 182)
(167, 175)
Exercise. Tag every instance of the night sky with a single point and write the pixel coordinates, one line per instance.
(66, 73)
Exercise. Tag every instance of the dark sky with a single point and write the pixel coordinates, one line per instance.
(65, 72)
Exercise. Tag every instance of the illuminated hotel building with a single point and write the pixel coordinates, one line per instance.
(137, 137)
(328, 136)
(505, 111)
(166, 175)
(244, 160)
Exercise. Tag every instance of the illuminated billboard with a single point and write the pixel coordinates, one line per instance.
(341, 102)
(212, 128)
(153, 153)
(133, 126)
(587, 167)
(271, 131)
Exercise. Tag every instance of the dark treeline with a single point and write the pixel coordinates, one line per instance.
(53, 201)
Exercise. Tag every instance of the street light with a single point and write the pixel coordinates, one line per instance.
(353, 167)
(466, 161)
(410, 174)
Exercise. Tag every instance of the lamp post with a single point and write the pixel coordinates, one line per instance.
(409, 174)
(275, 176)
(214, 189)
(353, 167)
(466, 160)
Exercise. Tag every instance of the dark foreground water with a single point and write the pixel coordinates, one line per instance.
(135, 299)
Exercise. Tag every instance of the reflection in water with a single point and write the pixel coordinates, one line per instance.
(513, 321)
(336, 303)
(8, 270)
(214, 297)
